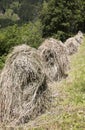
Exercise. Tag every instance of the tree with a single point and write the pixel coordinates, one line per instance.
(19, 11)
(62, 18)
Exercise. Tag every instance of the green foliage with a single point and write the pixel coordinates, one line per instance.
(2, 61)
(62, 17)
(30, 34)
(9, 37)
(19, 11)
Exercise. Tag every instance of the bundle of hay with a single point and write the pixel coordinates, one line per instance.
(73, 43)
(55, 59)
(23, 90)
(79, 37)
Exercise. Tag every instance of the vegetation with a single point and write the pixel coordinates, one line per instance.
(18, 11)
(62, 19)
(30, 34)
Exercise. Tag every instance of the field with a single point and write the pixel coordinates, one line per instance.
(68, 107)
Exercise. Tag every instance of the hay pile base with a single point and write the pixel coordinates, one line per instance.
(23, 90)
(55, 59)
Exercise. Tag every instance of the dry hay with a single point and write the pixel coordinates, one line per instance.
(23, 90)
(79, 37)
(55, 59)
(73, 43)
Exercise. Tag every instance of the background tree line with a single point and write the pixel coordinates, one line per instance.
(63, 18)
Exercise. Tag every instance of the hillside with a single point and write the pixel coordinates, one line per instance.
(68, 110)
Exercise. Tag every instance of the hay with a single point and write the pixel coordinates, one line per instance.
(73, 43)
(79, 37)
(23, 90)
(55, 59)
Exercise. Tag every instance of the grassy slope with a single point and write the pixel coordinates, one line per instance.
(68, 110)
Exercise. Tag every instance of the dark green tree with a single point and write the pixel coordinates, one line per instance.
(18, 11)
(62, 18)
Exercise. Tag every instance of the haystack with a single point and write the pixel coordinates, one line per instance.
(55, 59)
(24, 93)
(73, 43)
(79, 37)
